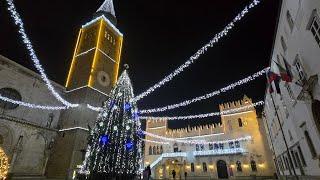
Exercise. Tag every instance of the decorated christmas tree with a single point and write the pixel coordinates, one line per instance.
(114, 145)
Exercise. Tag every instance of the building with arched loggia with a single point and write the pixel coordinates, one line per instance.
(228, 156)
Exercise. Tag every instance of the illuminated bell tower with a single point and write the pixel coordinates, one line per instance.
(97, 53)
(93, 72)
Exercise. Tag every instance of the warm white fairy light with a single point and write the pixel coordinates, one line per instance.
(219, 152)
(25, 39)
(32, 106)
(199, 116)
(209, 95)
(94, 108)
(156, 142)
(200, 52)
(195, 141)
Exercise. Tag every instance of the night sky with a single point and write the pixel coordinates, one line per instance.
(158, 37)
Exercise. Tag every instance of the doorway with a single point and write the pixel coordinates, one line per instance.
(222, 169)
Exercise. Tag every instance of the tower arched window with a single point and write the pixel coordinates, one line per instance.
(310, 144)
(192, 167)
(158, 150)
(161, 149)
(239, 168)
(240, 122)
(150, 150)
(154, 151)
(253, 165)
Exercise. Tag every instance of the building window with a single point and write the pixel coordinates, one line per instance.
(158, 150)
(175, 148)
(283, 44)
(197, 147)
(315, 28)
(201, 147)
(286, 163)
(12, 94)
(150, 150)
(154, 151)
(316, 113)
(231, 145)
(210, 146)
(280, 163)
(216, 146)
(240, 122)
(290, 135)
(253, 166)
(204, 167)
(290, 20)
(161, 149)
(302, 157)
(290, 92)
(237, 144)
(221, 146)
(299, 68)
(239, 168)
(294, 159)
(192, 167)
(310, 144)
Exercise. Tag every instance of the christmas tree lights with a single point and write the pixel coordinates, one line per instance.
(209, 95)
(200, 52)
(114, 147)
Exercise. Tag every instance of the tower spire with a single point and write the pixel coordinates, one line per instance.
(107, 7)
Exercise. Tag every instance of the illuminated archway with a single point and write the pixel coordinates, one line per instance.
(4, 164)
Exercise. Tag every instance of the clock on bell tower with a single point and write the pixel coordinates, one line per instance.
(97, 53)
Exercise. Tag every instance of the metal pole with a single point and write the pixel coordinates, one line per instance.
(284, 138)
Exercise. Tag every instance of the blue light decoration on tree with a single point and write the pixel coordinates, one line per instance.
(115, 154)
(104, 139)
(129, 145)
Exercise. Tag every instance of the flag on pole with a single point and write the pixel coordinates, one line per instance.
(285, 76)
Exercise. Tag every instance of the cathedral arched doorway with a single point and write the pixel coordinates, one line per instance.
(222, 169)
(4, 165)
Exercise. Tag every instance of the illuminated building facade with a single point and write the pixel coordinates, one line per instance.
(228, 156)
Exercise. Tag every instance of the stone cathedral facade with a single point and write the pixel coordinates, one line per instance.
(234, 158)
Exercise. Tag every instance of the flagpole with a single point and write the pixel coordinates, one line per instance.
(281, 128)
(284, 138)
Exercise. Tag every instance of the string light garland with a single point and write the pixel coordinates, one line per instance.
(199, 116)
(94, 108)
(32, 106)
(200, 52)
(25, 39)
(156, 142)
(209, 95)
(196, 141)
